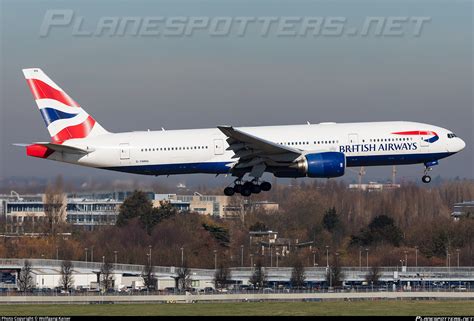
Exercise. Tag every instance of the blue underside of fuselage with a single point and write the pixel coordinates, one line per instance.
(222, 168)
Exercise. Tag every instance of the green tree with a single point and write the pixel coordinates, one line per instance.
(221, 234)
(258, 227)
(331, 219)
(382, 229)
(135, 205)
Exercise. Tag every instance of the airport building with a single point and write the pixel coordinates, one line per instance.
(46, 275)
(374, 187)
(216, 205)
(25, 213)
(463, 210)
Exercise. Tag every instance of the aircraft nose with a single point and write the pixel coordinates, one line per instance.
(462, 144)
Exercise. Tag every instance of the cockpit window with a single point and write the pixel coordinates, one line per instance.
(451, 135)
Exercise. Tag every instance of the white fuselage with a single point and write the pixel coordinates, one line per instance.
(169, 152)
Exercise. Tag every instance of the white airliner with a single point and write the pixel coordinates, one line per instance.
(319, 150)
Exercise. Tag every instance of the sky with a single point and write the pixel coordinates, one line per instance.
(197, 81)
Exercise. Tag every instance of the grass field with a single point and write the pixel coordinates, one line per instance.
(435, 308)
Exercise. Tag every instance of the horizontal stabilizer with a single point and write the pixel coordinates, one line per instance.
(45, 149)
(65, 148)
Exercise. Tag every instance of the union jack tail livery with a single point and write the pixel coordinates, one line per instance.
(64, 117)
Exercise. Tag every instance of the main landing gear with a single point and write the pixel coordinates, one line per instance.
(426, 178)
(247, 188)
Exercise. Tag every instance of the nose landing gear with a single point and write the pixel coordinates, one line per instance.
(426, 178)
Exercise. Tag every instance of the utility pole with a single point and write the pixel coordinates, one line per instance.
(271, 256)
(457, 251)
(242, 255)
(360, 257)
(416, 256)
(327, 256)
(367, 257)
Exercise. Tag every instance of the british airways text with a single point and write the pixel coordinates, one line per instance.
(363, 148)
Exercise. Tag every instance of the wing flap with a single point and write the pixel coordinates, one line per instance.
(250, 141)
(255, 152)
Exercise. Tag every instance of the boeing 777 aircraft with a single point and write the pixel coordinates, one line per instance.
(319, 150)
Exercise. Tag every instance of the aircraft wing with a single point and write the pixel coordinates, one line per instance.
(256, 153)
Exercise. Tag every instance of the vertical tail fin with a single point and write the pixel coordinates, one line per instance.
(64, 118)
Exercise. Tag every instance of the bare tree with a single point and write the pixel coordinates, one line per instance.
(106, 276)
(184, 277)
(259, 277)
(334, 276)
(148, 276)
(222, 277)
(25, 279)
(67, 280)
(373, 276)
(298, 275)
(55, 206)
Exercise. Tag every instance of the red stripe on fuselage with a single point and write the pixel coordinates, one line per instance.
(42, 90)
(416, 132)
(77, 131)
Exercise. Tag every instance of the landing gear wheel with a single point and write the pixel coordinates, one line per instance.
(246, 190)
(426, 179)
(229, 191)
(256, 189)
(265, 186)
(237, 188)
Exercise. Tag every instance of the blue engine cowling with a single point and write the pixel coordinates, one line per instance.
(325, 164)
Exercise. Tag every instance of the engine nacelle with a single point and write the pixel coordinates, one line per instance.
(324, 164)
